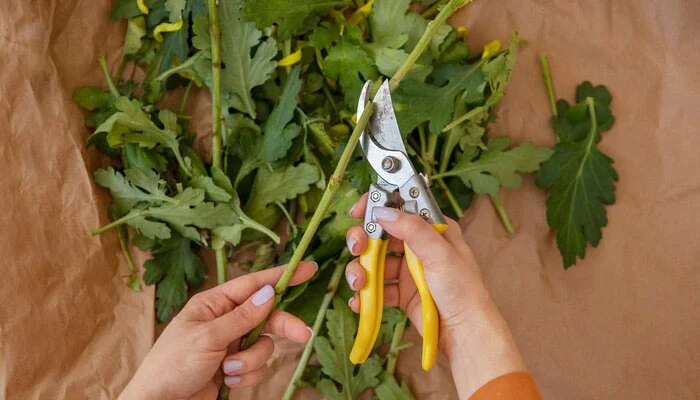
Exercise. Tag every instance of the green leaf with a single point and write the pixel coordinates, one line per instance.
(173, 268)
(174, 49)
(389, 389)
(91, 98)
(349, 64)
(280, 185)
(292, 16)
(125, 192)
(581, 181)
(499, 167)
(137, 157)
(132, 125)
(333, 354)
(135, 32)
(278, 136)
(389, 60)
(573, 122)
(125, 9)
(417, 102)
(243, 71)
(213, 192)
(175, 9)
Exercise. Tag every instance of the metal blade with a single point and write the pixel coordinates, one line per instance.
(384, 128)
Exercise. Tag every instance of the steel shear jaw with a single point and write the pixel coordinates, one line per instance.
(382, 143)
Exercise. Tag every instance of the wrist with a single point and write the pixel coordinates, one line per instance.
(481, 349)
(138, 390)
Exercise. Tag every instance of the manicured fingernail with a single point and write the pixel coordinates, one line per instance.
(352, 241)
(351, 278)
(232, 366)
(352, 209)
(232, 380)
(311, 332)
(386, 214)
(262, 296)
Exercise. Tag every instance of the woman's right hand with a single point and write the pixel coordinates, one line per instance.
(473, 334)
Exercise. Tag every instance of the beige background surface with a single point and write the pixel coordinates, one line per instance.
(624, 324)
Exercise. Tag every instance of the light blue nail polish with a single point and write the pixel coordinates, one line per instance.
(262, 296)
(386, 214)
(232, 366)
(232, 380)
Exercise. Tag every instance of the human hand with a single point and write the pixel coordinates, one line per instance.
(473, 333)
(187, 360)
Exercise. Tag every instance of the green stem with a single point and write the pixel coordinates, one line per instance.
(425, 40)
(333, 184)
(452, 136)
(108, 78)
(118, 222)
(120, 70)
(501, 210)
(433, 9)
(395, 346)
(432, 146)
(215, 32)
(329, 96)
(463, 118)
(423, 144)
(451, 198)
(548, 82)
(318, 323)
(339, 172)
(292, 225)
(287, 50)
(183, 102)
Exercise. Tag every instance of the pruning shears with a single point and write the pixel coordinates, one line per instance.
(384, 149)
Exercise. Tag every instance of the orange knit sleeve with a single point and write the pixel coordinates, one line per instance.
(513, 386)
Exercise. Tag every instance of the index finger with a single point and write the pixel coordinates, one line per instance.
(239, 289)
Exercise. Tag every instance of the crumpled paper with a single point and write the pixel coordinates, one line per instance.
(623, 324)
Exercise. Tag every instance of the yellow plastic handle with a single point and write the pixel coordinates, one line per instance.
(431, 319)
(371, 300)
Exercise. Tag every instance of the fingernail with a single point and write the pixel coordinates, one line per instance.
(311, 332)
(351, 278)
(232, 380)
(352, 241)
(386, 214)
(352, 209)
(262, 296)
(232, 366)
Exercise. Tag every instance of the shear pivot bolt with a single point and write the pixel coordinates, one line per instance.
(425, 213)
(371, 227)
(414, 192)
(374, 196)
(390, 164)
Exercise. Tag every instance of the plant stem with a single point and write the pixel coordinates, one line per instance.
(433, 9)
(432, 146)
(450, 142)
(118, 222)
(423, 144)
(424, 41)
(337, 177)
(183, 102)
(451, 198)
(333, 184)
(318, 323)
(123, 234)
(463, 118)
(108, 78)
(501, 210)
(120, 70)
(287, 50)
(548, 82)
(395, 346)
(215, 32)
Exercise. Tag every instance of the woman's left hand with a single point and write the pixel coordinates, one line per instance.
(200, 346)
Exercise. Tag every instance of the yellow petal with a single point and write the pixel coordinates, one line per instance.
(166, 27)
(361, 13)
(290, 59)
(490, 48)
(142, 6)
(462, 31)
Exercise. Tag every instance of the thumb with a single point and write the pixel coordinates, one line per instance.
(427, 243)
(243, 318)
